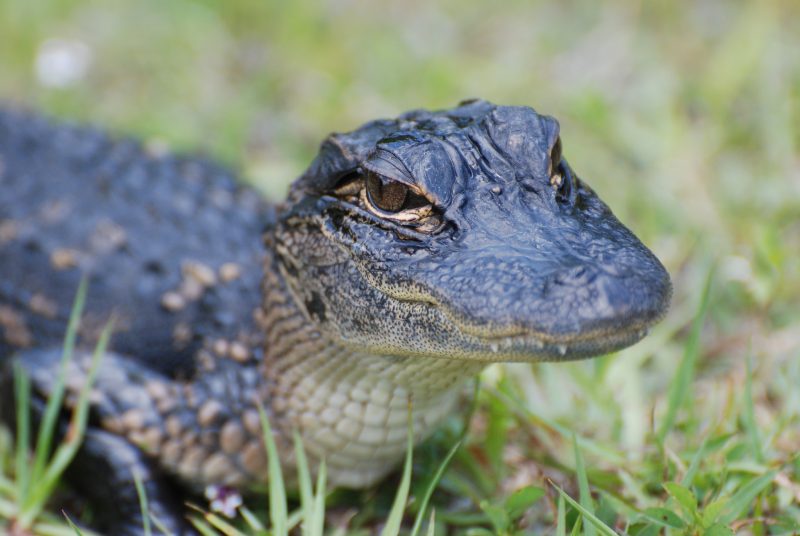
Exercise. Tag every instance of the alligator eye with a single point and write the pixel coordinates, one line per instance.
(389, 196)
(561, 180)
(555, 155)
(397, 202)
(556, 171)
(560, 177)
(349, 184)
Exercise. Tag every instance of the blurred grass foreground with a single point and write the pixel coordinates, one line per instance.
(683, 116)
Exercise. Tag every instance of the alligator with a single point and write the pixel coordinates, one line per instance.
(411, 253)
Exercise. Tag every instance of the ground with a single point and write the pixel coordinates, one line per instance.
(684, 116)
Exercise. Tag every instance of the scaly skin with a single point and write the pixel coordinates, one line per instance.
(410, 254)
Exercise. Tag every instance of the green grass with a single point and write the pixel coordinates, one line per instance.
(33, 481)
(684, 116)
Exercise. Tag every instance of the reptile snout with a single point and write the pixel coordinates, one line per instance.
(565, 305)
(606, 306)
(559, 303)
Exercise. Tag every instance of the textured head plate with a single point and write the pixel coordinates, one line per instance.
(499, 253)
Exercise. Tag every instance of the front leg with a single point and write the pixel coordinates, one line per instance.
(103, 474)
(194, 433)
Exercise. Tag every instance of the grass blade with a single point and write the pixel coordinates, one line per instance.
(681, 385)
(432, 523)
(583, 485)
(251, 520)
(694, 465)
(743, 498)
(55, 400)
(432, 487)
(159, 525)
(202, 527)
(222, 525)
(561, 526)
(317, 527)
(707, 447)
(749, 418)
(22, 387)
(393, 522)
(277, 491)
(538, 422)
(137, 480)
(65, 452)
(587, 515)
(304, 482)
(72, 525)
(293, 520)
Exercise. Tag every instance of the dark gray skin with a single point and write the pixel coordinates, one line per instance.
(75, 202)
(506, 266)
(455, 236)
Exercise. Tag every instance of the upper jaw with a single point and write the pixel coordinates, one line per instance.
(574, 313)
(621, 315)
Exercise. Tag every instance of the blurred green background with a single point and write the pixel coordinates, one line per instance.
(684, 116)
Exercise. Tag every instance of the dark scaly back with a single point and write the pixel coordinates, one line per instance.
(171, 245)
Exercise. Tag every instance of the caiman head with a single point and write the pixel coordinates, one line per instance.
(463, 233)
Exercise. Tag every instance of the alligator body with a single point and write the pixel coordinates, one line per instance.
(411, 253)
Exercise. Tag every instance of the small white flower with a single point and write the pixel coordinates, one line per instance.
(223, 500)
(62, 63)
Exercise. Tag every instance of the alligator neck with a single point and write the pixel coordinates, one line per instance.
(350, 407)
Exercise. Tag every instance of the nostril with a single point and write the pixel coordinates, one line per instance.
(585, 274)
(576, 276)
(613, 269)
(631, 299)
(605, 305)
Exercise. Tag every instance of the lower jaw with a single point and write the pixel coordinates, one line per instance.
(526, 348)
